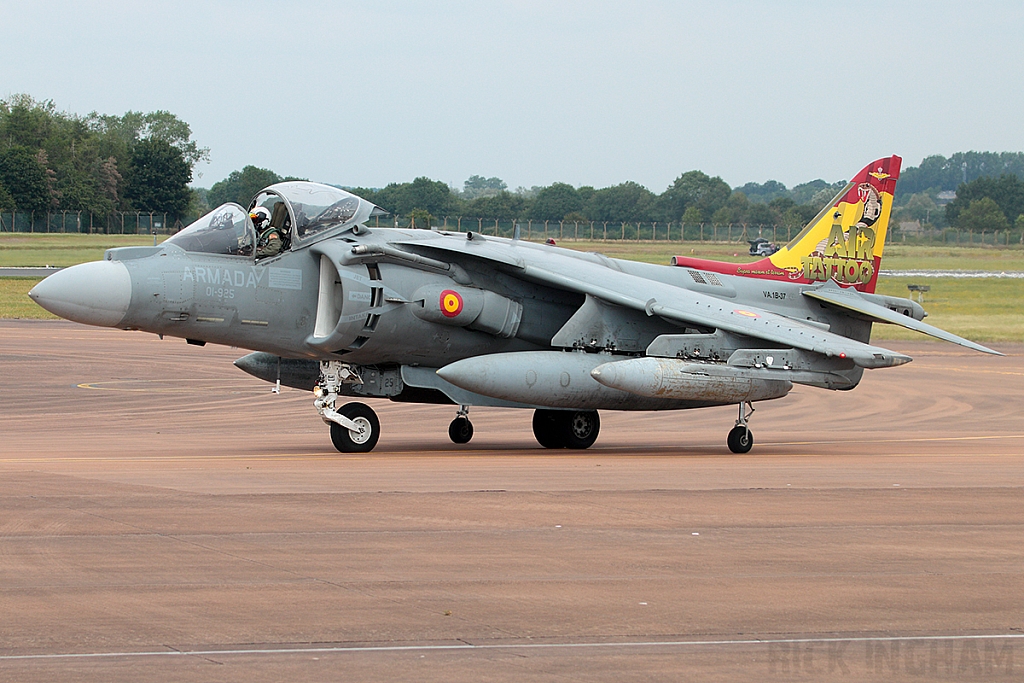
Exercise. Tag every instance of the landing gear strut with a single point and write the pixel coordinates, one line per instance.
(461, 429)
(741, 439)
(354, 427)
(577, 429)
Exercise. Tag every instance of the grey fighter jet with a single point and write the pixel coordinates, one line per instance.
(331, 305)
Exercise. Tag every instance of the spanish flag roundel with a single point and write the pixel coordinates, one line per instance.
(451, 303)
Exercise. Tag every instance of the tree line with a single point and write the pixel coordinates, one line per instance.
(53, 160)
(973, 191)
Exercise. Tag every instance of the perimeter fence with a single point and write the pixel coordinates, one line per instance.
(736, 233)
(150, 223)
(85, 222)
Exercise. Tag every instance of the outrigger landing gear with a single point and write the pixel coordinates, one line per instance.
(741, 439)
(355, 427)
(461, 429)
(577, 429)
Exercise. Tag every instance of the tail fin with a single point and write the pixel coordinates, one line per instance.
(844, 242)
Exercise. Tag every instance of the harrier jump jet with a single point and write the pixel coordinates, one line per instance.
(331, 305)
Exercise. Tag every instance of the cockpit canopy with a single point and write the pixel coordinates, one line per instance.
(304, 211)
(225, 230)
(300, 212)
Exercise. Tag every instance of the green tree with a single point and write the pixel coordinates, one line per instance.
(555, 201)
(760, 215)
(805, 193)
(982, 214)
(1007, 191)
(734, 210)
(696, 189)
(434, 196)
(367, 193)
(502, 206)
(241, 186)
(692, 216)
(920, 207)
(158, 178)
(937, 173)
(198, 202)
(6, 200)
(85, 157)
(799, 216)
(478, 186)
(25, 178)
(624, 203)
(766, 192)
(25, 122)
(127, 130)
(420, 218)
(781, 204)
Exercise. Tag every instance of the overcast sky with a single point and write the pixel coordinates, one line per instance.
(589, 93)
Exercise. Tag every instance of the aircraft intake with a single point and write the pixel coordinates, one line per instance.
(684, 380)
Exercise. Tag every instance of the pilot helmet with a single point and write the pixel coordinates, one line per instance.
(260, 216)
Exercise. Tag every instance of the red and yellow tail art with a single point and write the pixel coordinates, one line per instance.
(844, 242)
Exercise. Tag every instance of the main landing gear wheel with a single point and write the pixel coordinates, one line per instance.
(361, 441)
(741, 439)
(545, 428)
(460, 430)
(577, 429)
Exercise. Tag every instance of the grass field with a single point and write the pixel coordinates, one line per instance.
(983, 309)
(14, 301)
(896, 257)
(21, 249)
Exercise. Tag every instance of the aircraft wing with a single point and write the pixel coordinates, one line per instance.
(478, 247)
(684, 306)
(582, 275)
(850, 300)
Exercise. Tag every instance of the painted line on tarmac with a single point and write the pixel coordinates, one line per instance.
(153, 385)
(189, 458)
(687, 451)
(1002, 274)
(985, 372)
(923, 439)
(462, 646)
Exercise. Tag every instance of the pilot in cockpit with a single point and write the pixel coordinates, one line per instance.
(268, 242)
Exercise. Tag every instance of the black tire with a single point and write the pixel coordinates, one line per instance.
(741, 439)
(546, 428)
(364, 442)
(580, 428)
(460, 430)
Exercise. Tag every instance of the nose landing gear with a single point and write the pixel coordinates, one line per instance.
(354, 427)
(461, 429)
(741, 439)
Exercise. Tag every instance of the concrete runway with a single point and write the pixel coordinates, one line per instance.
(163, 516)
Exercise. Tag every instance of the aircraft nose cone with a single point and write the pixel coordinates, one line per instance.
(96, 293)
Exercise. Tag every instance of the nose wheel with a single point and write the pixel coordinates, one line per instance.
(358, 429)
(354, 427)
(741, 439)
(461, 429)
